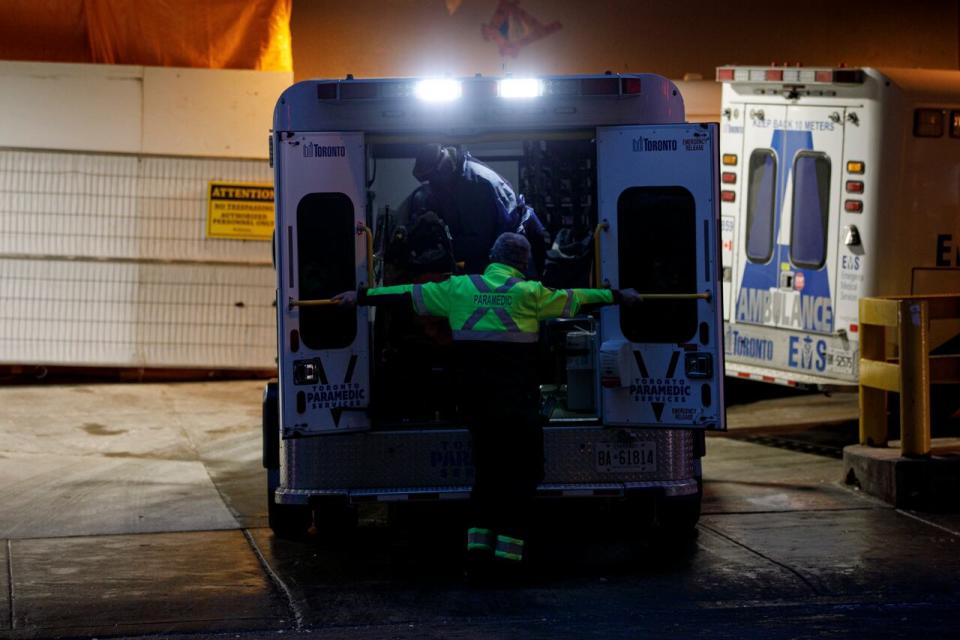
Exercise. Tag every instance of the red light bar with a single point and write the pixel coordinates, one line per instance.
(728, 177)
(724, 74)
(774, 75)
(854, 186)
(728, 196)
(823, 76)
(600, 86)
(853, 206)
(630, 86)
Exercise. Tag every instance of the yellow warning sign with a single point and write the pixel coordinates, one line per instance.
(240, 210)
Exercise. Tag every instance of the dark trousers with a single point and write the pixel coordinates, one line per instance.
(508, 463)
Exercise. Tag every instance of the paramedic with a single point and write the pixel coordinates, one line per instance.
(476, 203)
(495, 321)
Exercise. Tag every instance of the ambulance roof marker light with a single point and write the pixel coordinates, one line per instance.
(520, 88)
(725, 74)
(438, 90)
(823, 75)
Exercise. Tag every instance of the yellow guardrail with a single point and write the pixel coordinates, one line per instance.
(911, 374)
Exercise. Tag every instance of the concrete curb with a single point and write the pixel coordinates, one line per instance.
(923, 484)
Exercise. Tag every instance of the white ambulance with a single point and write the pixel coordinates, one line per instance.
(835, 184)
(365, 412)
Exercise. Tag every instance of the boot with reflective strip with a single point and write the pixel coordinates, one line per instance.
(480, 539)
(509, 548)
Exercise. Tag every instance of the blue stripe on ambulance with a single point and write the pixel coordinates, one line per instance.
(815, 306)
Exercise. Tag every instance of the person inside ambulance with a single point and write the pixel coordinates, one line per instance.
(495, 321)
(476, 203)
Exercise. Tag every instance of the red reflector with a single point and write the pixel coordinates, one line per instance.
(630, 85)
(728, 196)
(823, 76)
(769, 379)
(775, 75)
(853, 206)
(724, 74)
(327, 91)
(854, 328)
(854, 186)
(358, 90)
(600, 86)
(728, 177)
(743, 374)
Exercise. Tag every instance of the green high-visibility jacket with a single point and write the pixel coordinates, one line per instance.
(499, 306)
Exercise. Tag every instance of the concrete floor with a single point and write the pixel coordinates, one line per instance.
(139, 509)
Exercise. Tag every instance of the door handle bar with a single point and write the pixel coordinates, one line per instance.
(364, 230)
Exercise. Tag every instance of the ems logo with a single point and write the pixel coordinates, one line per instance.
(660, 391)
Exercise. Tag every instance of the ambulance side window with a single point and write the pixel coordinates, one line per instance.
(761, 193)
(657, 241)
(811, 209)
(326, 266)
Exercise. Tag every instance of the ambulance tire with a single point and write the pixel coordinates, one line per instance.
(289, 521)
(334, 520)
(677, 516)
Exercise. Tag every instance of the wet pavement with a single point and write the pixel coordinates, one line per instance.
(133, 510)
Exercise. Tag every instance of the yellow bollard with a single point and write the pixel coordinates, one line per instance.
(914, 378)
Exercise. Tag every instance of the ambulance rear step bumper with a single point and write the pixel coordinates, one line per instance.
(429, 494)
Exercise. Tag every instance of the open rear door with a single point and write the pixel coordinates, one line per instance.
(661, 361)
(324, 363)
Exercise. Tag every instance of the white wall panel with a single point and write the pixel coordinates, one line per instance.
(224, 113)
(129, 314)
(209, 112)
(104, 259)
(71, 106)
(118, 206)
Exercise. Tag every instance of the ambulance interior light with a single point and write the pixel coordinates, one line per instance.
(438, 90)
(520, 88)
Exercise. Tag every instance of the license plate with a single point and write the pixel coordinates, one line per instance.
(635, 456)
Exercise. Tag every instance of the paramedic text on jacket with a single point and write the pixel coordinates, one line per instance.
(495, 321)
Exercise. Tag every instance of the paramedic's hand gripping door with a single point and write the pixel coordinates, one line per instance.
(324, 375)
(661, 361)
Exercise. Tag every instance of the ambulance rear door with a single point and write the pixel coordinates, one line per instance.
(323, 362)
(792, 182)
(661, 362)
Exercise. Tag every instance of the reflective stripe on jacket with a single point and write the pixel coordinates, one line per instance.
(498, 306)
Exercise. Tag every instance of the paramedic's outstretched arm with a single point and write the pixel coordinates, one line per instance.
(567, 303)
(428, 299)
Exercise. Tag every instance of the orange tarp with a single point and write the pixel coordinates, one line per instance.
(216, 34)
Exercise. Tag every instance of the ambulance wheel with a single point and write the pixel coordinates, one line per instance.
(677, 516)
(291, 521)
(333, 518)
